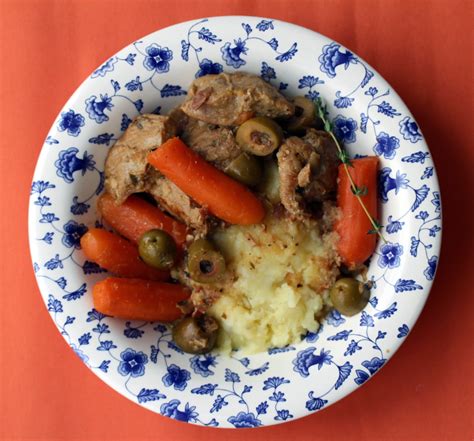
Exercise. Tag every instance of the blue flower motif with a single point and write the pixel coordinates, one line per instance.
(231, 55)
(158, 58)
(332, 57)
(430, 270)
(390, 255)
(207, 67)
(386, 145)
(307, 358)
(373, 365)
(345, 128)
(80, 353)
(202, 366)
(387, 183)
(133, 363)
(171, 410)
(243, 419)
(108, 66)
(176, 377)
(283, 415)
(96, 108)
(73, 233)
(68, 162)
(335, 318)
(410, 130)
(71, 122)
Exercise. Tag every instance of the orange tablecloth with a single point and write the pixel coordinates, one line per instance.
(423, 48)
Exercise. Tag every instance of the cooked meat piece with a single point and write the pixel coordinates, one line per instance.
(230, 99)
(126, 166)
(173, 199)
(308, 171)
(215, 144)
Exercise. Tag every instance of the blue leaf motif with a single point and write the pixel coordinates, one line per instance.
(106, 345)
(258, 371)
(247, 28)
(342, 335)
(185, 50)
(131, 332)
(50, 140)
(77, 294)
(79, 208)
(92, 268)
(344, 372)
(154, 354)
(416, 157)
(125, 122)
(205, 389)
(414, 246)
(373, 365)
(104, 366)
(102, 139)
(130, 59)
(171, 90)
(62, 282)
(314, 403)
(219, 403)
(138, 105)
(101, 328)
(43, 201)
(309, 81)
(342, 102)
(283, 415)
(231, 376)
(403, 331)
(428, 173)
(48, 238)
(421, 194)
(366, 320)
(386, 313)
(115, 85)
(48, 218)
(135, 84)
(335, 318)
(146, 395)
(262, 408)
(289, 54)
(368, 75)
(361, 377)
(352, 348)
(273, 43)
(54, 305)
(94, 315)
(41, 186)
(403, 285)
(84, 339)
(393, 226)
(386, 109)
(206, 35)
(363, 122)
(374, 302)
(264, 25)
(54, 263)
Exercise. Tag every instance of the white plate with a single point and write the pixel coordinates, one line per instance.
(138, 359)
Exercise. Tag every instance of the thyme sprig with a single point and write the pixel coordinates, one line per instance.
(346, 161)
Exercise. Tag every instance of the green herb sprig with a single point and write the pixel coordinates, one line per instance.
(346, 161)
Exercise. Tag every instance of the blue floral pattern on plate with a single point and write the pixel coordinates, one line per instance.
(139, 359)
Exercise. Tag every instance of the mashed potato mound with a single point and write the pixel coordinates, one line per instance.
(282, 271)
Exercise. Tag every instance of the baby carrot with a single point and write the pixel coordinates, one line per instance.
(356, 244)
(117, 255)
(221, 195)
(136, 299)
(136, 216)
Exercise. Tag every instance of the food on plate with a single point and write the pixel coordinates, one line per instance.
(118, 255)
(256, 213)
(137, 299)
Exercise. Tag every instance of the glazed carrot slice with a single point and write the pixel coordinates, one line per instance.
(136, 299)
(118, 255)
(356, 244)
(136, 216)
(221, 195)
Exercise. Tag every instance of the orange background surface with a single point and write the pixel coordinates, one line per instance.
(423, 48)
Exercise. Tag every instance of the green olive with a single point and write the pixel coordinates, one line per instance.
(205, 263)
(246, 169)
(305, 115)
(270, 185)
(349, 296)
(196, 335)
(158, 249)
(259, 136)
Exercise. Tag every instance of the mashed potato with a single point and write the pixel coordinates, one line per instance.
(281, 275)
